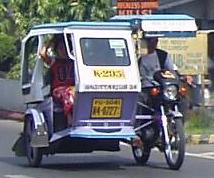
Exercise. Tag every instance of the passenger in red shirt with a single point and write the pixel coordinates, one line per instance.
(62, 75)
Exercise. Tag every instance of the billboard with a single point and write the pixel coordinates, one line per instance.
(136, 7)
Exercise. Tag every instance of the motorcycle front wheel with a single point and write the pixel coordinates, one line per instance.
(175, 153)
(34, 155)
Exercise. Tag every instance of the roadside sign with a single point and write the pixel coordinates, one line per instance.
(136, 7)
(189, 54)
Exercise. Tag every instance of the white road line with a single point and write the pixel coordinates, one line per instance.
(202, 155)
(17, 176)
(207, 155)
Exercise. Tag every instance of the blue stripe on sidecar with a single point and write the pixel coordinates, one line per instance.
(84, 132)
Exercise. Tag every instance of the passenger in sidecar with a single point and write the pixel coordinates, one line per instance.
(62, 75)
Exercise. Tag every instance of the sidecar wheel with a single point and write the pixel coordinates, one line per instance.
(175, 156)
(141, 154)
(34, 155)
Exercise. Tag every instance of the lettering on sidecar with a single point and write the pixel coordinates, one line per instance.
(110, 87)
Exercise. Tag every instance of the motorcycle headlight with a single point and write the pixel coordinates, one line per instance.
(170, 92)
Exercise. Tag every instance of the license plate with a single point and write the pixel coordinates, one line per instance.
(106, 108)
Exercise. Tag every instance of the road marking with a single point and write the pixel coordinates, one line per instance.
(208, 155)
(17, 176)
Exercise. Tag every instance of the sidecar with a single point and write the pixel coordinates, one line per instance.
(107, 84)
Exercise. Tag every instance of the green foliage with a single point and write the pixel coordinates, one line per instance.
(14, 73)
(200, 121)
(54, 11)
(8, 50)
(28, 13)
(92, 10)
(6, 20)
(7, 47)
(18, 16)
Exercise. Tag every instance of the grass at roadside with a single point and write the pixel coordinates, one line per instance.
(200, 121)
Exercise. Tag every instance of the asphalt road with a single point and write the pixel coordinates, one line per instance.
(199, 162)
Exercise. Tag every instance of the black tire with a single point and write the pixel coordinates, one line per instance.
(34, 155)
(175, 157)
(141, 154)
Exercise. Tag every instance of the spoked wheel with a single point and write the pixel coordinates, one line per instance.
(175, 152)
(141, 154)
(34, 154)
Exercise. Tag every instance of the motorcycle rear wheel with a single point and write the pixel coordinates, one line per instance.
(141, 154)
(175, 155)
(34, 155)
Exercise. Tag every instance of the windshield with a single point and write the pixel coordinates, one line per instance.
(104, 52)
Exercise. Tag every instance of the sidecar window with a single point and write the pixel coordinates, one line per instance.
(30, 55)
(104, 52)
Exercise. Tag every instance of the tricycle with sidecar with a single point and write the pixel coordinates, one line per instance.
(107, 87)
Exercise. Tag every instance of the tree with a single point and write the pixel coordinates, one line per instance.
(23, 14)
(3, 11)
(92, 10)
(7, 41)
(7, 46)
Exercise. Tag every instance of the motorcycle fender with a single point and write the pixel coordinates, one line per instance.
(40, 136)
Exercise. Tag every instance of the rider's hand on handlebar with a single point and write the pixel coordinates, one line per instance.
(188, 79)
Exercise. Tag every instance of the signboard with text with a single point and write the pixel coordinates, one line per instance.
(189, 54)
(136, 7)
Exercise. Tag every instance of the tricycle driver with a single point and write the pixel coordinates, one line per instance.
(153, 61)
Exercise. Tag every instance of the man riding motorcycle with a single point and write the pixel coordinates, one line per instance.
(159, 120)
(155, 60)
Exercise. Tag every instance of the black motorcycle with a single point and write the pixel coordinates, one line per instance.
(159, 123)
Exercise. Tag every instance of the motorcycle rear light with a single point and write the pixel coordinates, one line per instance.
(154, 91)
(183, 91)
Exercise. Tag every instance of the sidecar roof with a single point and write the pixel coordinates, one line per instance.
(76, 24)
(155, 25)
(59, 27)
(54, 28)
(162, 25)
